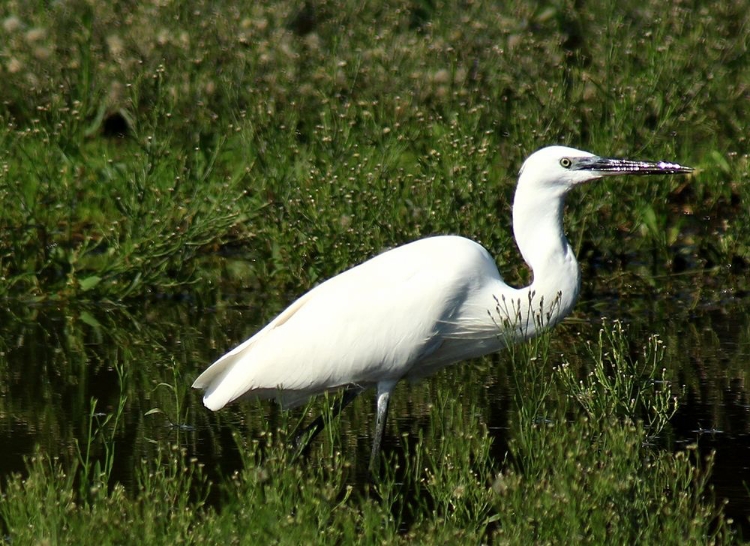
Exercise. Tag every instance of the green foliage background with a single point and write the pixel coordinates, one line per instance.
(147, 146)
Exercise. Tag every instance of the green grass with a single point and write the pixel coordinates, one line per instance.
(256, 155)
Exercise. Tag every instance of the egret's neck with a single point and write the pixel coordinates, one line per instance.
(538, 228)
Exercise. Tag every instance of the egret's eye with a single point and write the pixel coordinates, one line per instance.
(565, 163)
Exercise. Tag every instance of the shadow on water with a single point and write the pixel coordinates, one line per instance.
(59, 366)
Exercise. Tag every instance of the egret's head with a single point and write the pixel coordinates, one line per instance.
(560, 168)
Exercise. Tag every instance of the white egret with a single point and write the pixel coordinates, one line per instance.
(420, 307)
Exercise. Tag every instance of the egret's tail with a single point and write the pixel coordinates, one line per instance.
(222, 389)
(217, 394)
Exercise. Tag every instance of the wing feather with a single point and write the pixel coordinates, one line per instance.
(410, 308)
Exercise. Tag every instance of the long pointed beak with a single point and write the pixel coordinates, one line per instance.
(609, 166)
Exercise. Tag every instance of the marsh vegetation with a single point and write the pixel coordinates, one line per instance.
(172, 175)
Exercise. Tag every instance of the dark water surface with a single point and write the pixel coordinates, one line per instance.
(54, 362)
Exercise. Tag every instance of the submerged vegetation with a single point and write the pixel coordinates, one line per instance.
(235, 153)
(566, 473)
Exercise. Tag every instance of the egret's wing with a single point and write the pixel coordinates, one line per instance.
(372, 323)
(337, 334)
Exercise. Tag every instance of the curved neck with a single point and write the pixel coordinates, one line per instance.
(538, 229)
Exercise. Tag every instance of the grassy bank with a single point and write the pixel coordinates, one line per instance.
(160, 149)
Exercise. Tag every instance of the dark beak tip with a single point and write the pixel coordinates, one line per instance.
(674, 168)
(683, 170)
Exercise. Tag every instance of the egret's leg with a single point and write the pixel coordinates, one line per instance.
(384, 394)
(304, 438)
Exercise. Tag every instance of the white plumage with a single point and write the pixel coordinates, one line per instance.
(417, 308)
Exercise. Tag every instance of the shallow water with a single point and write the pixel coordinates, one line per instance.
(55, 361)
